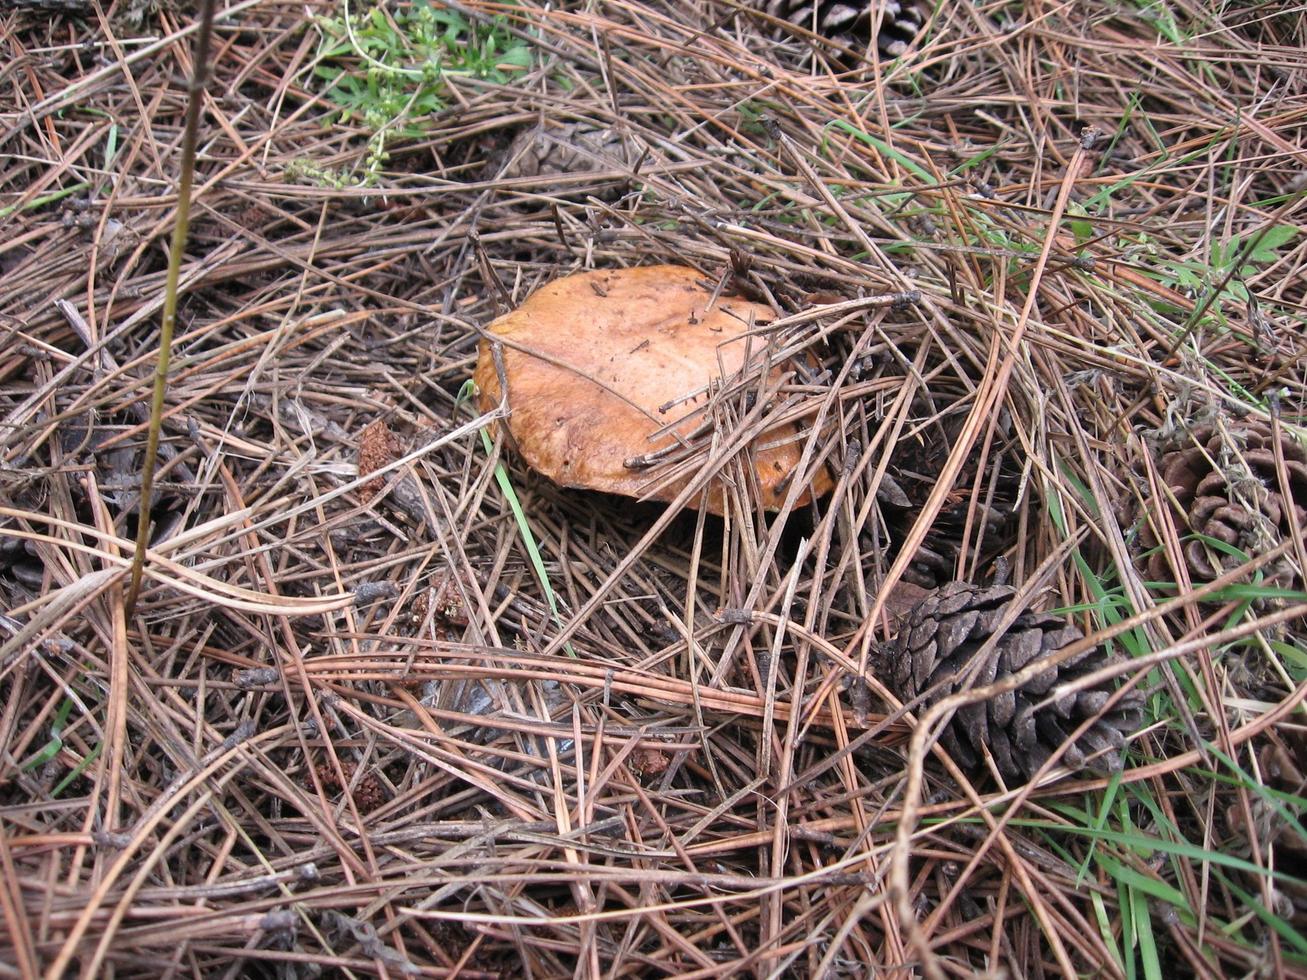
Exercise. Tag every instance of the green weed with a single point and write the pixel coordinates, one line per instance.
(55, 744)
(467, 392)
(388, 67)
(1232, 261)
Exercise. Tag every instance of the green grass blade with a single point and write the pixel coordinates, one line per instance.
(523, 525)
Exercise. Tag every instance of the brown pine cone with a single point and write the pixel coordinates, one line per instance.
(934, 650)
(849, 23)
(1281, 764)
(377, 447)
(917, 464)
(20, 559)
(1226, 489)
(369, 793)
(566, 148)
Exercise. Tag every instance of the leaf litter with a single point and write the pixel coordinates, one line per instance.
(342, 731)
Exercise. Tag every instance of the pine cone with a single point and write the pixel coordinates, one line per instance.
(20, 559)
(1228, 490)
(569, 148)
(368, 794)
(378, 447)
(849, 23)
(917, 464)
(1281, 764)
(1021, 728)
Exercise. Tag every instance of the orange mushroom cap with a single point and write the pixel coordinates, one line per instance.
(594, 360)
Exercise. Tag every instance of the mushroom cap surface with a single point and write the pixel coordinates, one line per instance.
(594, 360)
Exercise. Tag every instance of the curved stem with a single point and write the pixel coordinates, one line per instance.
(195, 96)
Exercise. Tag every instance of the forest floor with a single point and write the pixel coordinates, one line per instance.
(391, 703)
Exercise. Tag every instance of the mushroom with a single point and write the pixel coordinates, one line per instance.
(605, 369)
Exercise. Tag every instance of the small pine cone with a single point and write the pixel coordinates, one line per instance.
(1021, 728)
(327, 774)
(849, 22)
(1281, 764)
(569, 148)
(1227, 490)
(20, 559)
(378, 447)
(369, 793)
(917, 465)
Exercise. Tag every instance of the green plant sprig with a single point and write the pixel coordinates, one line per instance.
(519, 515)
(388, 67)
